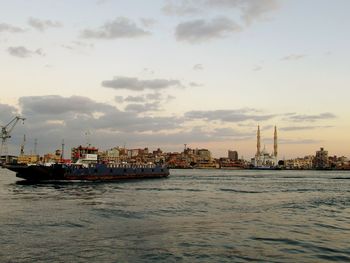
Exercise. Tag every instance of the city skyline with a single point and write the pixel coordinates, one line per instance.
(167, 73)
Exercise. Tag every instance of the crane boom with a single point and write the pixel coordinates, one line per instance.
(8, 128)
(6, 134)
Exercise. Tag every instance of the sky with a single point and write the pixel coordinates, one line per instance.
(165, 73)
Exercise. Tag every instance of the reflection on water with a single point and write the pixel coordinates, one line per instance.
(192, 216)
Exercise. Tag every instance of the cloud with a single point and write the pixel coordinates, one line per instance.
(100, 2)
(256, 9)
(250, 10)
(142, 108)
(257, 68)
(194, 84)
(170, 97)
(145, 102)
(42, 25)
(148, 22)
(200, 30)
(7, 112)
(23, 52)
(198, 67)
(120, 27)
(52, 118)
(78, 45)
(300, 128)
(81, 113)
(312, 118)
(57, 105)
(119, 99)
(9, 28)
(139, 85)
(231, 133)
(299, 141)
(228, 115)
(294, 57)
(143, 98)
(181, 8)
(154, 96)
(135, 99)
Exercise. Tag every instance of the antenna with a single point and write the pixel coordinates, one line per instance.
(87, 134)
(62, 152)
(35, 146)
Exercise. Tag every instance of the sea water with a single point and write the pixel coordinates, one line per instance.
(191, 216)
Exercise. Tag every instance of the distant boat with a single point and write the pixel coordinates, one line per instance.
(265, 168)
(232, 166)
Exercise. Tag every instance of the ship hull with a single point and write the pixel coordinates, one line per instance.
(94, 173)
(265, 168)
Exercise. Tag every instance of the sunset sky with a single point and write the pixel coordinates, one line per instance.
(165, 73)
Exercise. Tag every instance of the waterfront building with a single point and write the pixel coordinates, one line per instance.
(233, 155)
(321, 160)
(8, 158)
(111, 155)
(262, 157)
(204, 155)
(304, 163)
(204, 159)
(341, 163)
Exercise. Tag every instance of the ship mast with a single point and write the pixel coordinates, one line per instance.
(35, 146)
(62, 151)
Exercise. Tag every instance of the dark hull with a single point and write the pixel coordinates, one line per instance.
(95, 173)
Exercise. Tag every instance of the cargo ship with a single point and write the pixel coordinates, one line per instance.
(91, 172)
(86, 167)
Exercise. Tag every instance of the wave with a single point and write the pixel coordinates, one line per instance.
(240, 191)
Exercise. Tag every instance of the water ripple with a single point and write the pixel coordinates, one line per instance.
(193, 216)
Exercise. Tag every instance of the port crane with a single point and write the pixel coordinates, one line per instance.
(5, 134)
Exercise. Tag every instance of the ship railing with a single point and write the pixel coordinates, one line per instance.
(129, 165)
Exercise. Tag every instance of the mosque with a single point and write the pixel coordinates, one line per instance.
(262, 158)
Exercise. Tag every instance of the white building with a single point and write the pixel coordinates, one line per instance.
(263, 158)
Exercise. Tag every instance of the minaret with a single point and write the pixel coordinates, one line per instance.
(258, 142)
(275, 143)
